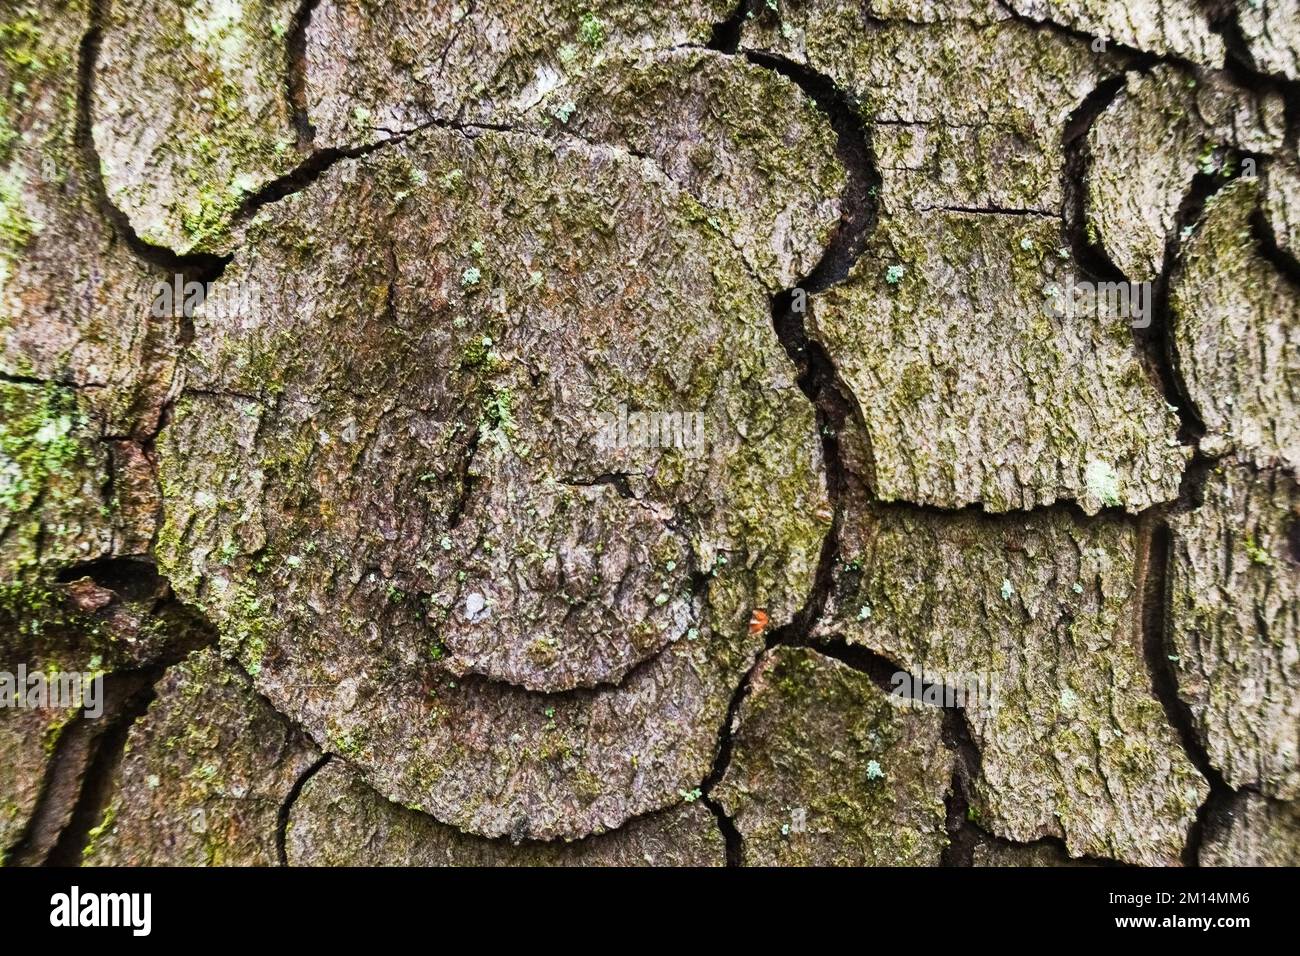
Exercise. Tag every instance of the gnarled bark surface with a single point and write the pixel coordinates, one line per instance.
(549, 434)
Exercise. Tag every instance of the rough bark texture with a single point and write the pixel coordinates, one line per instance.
(204, 775)
(1235, 616)
(827, 769)
(1072, 742)
(489, 433)
(1253, 831)
(339, 821)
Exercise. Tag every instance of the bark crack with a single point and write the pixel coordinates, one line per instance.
(296, 75)
(79, 779)
(286, 808)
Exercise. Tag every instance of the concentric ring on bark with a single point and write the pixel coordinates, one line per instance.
(426, 518)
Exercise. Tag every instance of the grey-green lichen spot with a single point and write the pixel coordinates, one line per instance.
(338, 821)
(1235, 616)
(829, 770)
(1236, 324)
(1066, 413)
(191, 115)
(429, 506)
(1040, 614)
(1162, 129)
(203, 777)
(370, 66)
(53, 475)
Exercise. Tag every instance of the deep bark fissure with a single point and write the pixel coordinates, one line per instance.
(98, 782)
(1161, 345)
(1132, 56)
(296, 75)
(1286, 261)
(286, 807)
(130, 578)
(1240, 66)
(74, 754)
(817, 376)
(1157, 648)
(1157, 349)
(11, 379)
(80, 774)
(725, 36)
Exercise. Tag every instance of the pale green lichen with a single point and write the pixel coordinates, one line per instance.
(15, 227)
(1102, 483)
(591, 30)
(38, 441)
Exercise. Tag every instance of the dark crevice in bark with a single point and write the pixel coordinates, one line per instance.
(883, 671)
(618, 480)
(1293, 541)
(861, 659)
(11, 379)
(1068, 507)
(1155, 344)
(321, 161)
(286, 808)
(956, 733)
(817, 376)
(960, 850)
(1286, 261)
(858, 206)
(1132, 56)
(1216, 807)
(70, 768)
(130, 578)
(1089, 255)
(834, 405)
(98, 783)
(1191, 490)
(962, 838)
(992, 211)
(296, 75)
(730, 834)
(726, 33)
(306, 173)
(1074, 186)
(1240, 66)
(200, 267)
(1157, 645)
(977, 834)
(1160, 344)
(465, 483)
(80, 777)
